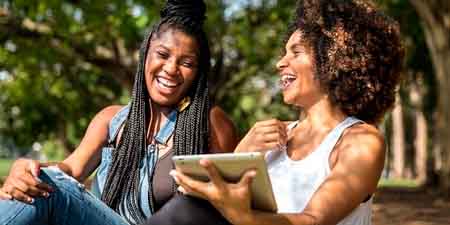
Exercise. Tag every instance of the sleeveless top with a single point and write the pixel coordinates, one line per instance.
(294, 182)
(147, 165)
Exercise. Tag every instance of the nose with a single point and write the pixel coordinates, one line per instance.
(170, 67)
(282, 63)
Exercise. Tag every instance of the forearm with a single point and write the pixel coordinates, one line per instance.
(265, 218)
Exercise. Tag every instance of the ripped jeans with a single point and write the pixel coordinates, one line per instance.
(69, 204)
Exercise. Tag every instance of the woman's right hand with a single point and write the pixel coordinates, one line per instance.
(23, 183)
(263, 136)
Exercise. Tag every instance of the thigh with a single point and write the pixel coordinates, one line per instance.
(186, 210)
(14, 212)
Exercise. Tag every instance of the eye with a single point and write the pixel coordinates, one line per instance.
(297, 52)
(188, 64)
(162, 54)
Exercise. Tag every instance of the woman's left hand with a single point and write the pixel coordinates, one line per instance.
(233, 200)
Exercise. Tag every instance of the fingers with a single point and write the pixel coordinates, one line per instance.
(34, 168)
(45, 187)
(213, 174)
(276, 138)
(17, 194)
(187, 191)
(31, 186)
(247, 178)
(189, 185)
(271, 122)
(5, 195)
(267, 129)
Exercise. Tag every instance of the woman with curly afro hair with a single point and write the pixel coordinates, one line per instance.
(341, 66)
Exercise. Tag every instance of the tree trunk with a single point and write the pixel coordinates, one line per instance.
(62, 139)
(398, 140)
(436, 23)
(421, 134)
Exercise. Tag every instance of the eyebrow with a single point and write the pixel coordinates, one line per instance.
(188, 55)
(296, 45)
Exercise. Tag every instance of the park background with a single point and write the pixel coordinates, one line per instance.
(63, 61)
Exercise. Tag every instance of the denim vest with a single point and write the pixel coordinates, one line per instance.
(147, 165)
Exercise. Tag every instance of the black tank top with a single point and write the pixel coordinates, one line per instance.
(162, 181)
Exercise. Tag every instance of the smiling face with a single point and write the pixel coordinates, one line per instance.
(171, 66)
(296, 69)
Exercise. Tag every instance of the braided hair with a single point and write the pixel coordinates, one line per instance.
(121, 191)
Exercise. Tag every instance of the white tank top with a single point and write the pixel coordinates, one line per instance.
(294, 182)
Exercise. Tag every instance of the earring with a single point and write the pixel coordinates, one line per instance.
(184, 103)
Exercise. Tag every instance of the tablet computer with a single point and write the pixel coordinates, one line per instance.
(232, 166)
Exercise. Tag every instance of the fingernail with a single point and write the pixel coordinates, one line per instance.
(181, 189)
(31, 200)
(45, 194)
(173, 174)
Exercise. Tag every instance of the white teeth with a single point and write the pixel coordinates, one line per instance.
(166, 83)
(288, 77)
(286, 80)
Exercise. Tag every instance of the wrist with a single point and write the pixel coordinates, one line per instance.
(247, 218)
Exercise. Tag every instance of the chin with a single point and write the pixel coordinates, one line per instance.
(163, 101)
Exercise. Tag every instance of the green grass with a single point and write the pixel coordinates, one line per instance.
(398, 183)
(5, 164)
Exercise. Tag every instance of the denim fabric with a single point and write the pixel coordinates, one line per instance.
(147, 165)
(69, 204)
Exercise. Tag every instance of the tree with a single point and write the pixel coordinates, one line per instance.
(62, 61)
(435, 15)
(398, 140)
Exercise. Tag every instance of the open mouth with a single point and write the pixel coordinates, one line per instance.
(286, 80)
(166, 83)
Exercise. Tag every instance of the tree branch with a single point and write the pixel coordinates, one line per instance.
(11, 26)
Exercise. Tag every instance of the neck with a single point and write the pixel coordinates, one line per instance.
(158, 110)
(322, 115)
(159, 115)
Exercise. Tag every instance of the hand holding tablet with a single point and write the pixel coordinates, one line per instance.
(232, 166)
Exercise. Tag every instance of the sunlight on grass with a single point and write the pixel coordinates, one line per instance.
(398, 183)
(4, 167)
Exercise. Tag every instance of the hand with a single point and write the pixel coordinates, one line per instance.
(232, 200)
(264, 136)
(23, 183)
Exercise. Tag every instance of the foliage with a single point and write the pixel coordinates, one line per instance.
(5, 164)
(62, 61)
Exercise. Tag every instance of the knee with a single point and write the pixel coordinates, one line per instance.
(61, 182)
(187, 210)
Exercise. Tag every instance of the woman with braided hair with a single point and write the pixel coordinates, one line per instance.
(131, 146)
(341, 65)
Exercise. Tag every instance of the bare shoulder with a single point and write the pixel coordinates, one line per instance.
(363, 135)
(106, 114)
(219, 118)
(362, 142)
(224, 137)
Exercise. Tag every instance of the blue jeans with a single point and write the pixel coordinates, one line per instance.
(69, 204)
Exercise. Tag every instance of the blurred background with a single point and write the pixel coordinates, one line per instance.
(63, 61)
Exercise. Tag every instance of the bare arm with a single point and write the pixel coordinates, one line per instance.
(86, 157)
(21, 182)
(224, 136)
(362, 147)
(353, 177)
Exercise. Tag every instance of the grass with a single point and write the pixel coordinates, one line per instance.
(5, 164)
(397, 183)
